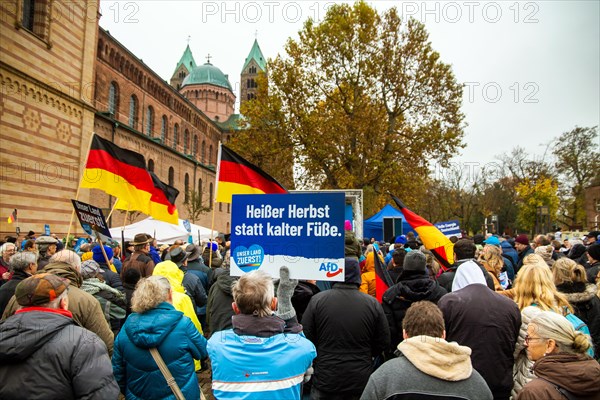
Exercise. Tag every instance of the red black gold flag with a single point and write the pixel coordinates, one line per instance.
(433, 239)
(238, 176)
(12, 217)
(383, 280)
(122, 173)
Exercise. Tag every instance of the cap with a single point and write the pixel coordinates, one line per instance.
(493, 240)
(523, 239)
(40, 289)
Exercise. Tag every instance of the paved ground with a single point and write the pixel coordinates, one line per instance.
(204, 380)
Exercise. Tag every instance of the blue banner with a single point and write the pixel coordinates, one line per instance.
(304, 232)
(449, 228)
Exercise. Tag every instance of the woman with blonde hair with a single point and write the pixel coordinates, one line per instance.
(534, 291)
(562, 368)
(570, 279)
(155, 323)
(546, 253)
(493, 263)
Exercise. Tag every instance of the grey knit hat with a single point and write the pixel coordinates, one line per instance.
(415, 261)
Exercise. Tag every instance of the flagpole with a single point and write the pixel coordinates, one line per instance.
(79, 184)
(112, 209)
(212, 224)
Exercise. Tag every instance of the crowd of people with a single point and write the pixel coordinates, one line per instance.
(510, 318)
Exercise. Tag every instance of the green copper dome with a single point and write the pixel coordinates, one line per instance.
(207, 74)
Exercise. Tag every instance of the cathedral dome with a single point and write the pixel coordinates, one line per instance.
(207, 74)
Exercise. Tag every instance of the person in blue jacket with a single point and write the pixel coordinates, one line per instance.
(264, 356)
(155, 323)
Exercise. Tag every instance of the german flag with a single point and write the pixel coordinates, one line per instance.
(122, 173)
(12, 217)
(162, 204)
(383, 280)
(238, 176)
(433, 239)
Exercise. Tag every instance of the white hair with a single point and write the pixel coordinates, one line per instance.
(67, 257)
(5, 247)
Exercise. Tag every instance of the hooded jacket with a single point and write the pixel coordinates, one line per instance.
(586, 304)
(45, 355)
(577, 373)
(86, 310)
(486, 322)
(181, 301)
(219, 311)
(178, 342)
(257, 360)
(367, 285)
(412, 286)
(447, 278)
(428, 368)
(351, 246)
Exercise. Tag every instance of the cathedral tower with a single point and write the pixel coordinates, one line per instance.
(254, 64)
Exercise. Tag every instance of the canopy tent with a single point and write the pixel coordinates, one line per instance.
(165, 232)
(373, 227)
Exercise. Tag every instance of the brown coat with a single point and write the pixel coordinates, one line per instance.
(85, 308)
(140, 261)
(577, 373)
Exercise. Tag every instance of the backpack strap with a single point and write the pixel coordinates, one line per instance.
(564, 392)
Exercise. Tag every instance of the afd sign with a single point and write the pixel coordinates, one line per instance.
(304, 232)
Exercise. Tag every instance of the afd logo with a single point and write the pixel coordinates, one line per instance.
(331, 268)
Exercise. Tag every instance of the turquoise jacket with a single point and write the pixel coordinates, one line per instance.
(178, 342)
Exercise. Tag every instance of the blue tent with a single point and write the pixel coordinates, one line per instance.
(373, 227)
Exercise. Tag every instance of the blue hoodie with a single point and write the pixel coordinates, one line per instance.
(178, 342)
(510, 252)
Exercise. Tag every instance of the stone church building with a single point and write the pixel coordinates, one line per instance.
(64, 78)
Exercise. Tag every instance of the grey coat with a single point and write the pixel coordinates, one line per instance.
(44, 355)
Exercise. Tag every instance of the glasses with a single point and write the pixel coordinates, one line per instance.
(529, 339)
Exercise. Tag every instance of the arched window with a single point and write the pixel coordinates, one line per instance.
(220, 206)
(203, 152)
(149, 121)
(210, 195)
(171, 176)
(186, 141)
(175, 136)
(228, 208)
(133, 111)
(195, 146)
(150, 165)
(186, 184)
(163, 128)
(113, 98)
(210, 155)
(200, 190)
(227, 227)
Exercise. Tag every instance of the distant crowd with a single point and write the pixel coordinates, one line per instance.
(512, 317)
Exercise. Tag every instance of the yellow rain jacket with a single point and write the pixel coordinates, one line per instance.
(181, 301)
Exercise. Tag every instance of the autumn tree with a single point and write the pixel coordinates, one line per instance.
(531, 196)
(577, 155)
(360, 100)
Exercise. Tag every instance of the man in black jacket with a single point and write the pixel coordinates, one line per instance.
(413, 285)
(464, 251)
(348, 328)
(485, 321)
(44, 354)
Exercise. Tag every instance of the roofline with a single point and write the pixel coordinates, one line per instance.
(152, 72)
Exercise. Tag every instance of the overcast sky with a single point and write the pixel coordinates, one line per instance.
(531, 69)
